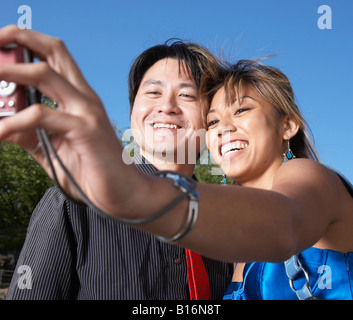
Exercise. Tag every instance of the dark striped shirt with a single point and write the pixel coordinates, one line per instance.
(73, 253)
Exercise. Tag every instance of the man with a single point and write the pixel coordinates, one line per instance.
(73, 253)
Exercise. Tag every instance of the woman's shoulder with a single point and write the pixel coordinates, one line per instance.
(329, 194)
(307, 172)
(311, 180)
(316, 172)
(305, 164)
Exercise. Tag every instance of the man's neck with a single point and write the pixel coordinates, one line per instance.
(161, 165)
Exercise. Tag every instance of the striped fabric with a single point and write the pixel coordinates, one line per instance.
(73, 253)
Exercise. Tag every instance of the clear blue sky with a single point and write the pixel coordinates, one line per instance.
(105, 36)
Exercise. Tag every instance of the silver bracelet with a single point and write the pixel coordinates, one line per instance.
(188, 186)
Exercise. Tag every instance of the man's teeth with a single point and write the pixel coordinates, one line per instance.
(233, 147)
(165, 125)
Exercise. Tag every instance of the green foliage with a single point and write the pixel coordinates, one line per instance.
(203, 173)
(48, 102)
(206, 171)
(22, 184)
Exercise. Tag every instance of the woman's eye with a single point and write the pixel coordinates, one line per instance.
(241, 110)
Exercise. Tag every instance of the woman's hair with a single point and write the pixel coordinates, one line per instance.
(193, 59)
(273, 86)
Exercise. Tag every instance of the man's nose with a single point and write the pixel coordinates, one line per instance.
(169, 105)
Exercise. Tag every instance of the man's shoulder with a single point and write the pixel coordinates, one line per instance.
(52, 194)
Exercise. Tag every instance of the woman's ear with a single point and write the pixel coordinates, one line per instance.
(290, 128)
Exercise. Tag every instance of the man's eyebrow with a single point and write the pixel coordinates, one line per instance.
(188, 85)
(163, 84)
(154, 82)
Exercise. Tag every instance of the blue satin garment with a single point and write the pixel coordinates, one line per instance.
(330, 277)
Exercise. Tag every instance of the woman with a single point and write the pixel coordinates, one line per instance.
(278, 210)
(254, 128)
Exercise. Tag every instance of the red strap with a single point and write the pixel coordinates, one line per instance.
(199, 285)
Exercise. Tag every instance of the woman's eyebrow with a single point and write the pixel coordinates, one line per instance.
(241, 98)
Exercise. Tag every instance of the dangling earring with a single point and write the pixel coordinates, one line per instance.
(288, 155)
(224, 179)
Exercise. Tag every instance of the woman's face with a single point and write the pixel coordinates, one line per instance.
(245, 137)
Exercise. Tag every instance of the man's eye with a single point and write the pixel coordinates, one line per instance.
(211, 123)
(187, 95)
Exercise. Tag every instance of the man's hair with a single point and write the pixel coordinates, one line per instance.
(193, 59)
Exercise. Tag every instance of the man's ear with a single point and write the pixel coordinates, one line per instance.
(290, 128)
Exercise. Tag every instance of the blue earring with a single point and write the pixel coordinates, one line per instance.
(288, 155)
(224, 179)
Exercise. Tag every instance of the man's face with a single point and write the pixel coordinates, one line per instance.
(166, 115)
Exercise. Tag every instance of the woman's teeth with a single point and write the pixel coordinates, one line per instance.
(233, 147)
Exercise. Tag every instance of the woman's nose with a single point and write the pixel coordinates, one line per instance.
(226, 127)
